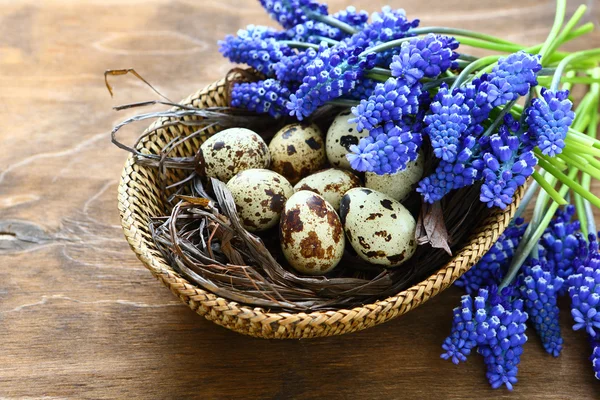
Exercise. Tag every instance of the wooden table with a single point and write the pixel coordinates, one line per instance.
(79, 315)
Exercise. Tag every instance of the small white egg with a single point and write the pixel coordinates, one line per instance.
(400, 184)
(379, 228)
(231, 151)
(340, 136)
(259, 195)
(297, 151)
(330, 183)
(312, 236)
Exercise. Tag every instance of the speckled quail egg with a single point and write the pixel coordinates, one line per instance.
(378, 227)
(398, 185)
(297, 150)
(231, 151)
(340, 136)
(330, 183)
(312, 236)
(259, 196)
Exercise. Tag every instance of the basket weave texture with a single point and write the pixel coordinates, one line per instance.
(139, 198)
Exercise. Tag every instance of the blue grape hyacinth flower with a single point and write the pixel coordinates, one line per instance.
(425, 57)
(539, 290)
(595, 358)
(264, 97)
(449, 119)
(292, 69)
(494, 322)
(507, 166)
(564, 245)
(512, 77)
(255, 47)
(386, 150)
(448, 176)
(332, 74)
(584, 290)
(389, 102)
(549, 119)
(289, 13)
(492, 267)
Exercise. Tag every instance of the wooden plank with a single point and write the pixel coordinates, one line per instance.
(80, 317)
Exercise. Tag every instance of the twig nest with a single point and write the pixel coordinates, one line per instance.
(379, 228)
(297, 151)
(231, 151)
(330, 183)
(340, 136)
(259, 195)
(311, 233)
(400, 184)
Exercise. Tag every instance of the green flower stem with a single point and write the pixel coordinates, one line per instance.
(556, 162)
(586, 179)
(385, 46)
(329, 41)
(548, 189)
(499, 119)
(381, 71)
(540, 204)
(461, 32)
(569, 182)
(467, 57)
(583, 166)
(336, 23)
(570, 25)
(572, 80)
(377, 77)
(559, 17)
(580, 208)
(532, 236)
(569, 59)
(472, 68)
(341, 102)
(581, 146)
(582, 138)
(299, 45)
(567, 85)
(529, 195)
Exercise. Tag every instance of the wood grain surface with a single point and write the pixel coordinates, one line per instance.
(79, 315)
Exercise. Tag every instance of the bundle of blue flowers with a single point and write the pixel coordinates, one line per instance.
(494, 121)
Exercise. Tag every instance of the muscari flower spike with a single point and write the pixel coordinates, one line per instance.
(292, 69)
(289, 13)
(492, 267)
(389, 102)
(584, 290)
(549, 119)
(386, 150)
(425, 57)
(311, 32)
(464, 171)
(563, 244)
(352, 17)
(508, 164)
(539, 289)
(332, 74)
(255, 47)
(264, 97)
(449, 119)
(512, 77)
(495, 324)
(387, 25)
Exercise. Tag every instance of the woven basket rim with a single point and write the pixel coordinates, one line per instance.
(268, 324)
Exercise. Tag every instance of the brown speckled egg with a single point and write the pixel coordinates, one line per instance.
(400, 184)
(330, 183)
(233, 150)
(312, 236)
(259, 196)
(340, 136)
(297, 151)
(378, 227)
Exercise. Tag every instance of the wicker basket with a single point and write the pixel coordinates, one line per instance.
(139, 199)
